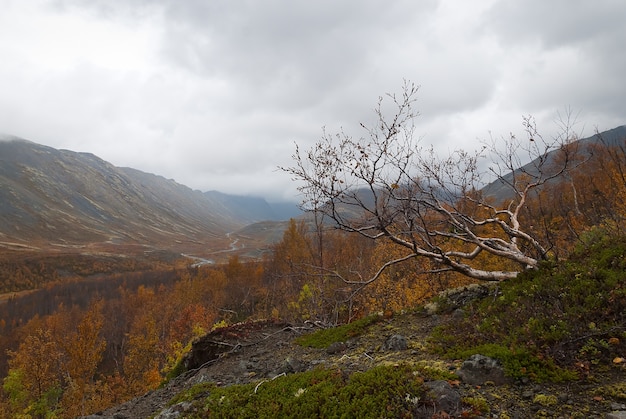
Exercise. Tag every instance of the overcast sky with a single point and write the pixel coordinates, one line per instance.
(214, 93)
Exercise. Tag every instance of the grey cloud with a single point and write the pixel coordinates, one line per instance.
(556, 23)
(225, 87)
(299, 48)
(565, 53)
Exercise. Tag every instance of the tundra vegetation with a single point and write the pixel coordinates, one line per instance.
(391, 225)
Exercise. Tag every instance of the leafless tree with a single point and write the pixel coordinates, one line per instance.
(387, 186)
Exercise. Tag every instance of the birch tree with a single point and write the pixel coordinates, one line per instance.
(388, 185)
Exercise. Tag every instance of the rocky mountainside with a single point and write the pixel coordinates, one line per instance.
(65, 198)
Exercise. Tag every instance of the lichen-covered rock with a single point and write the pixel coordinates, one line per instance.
(479, 369)
(455, 298)
(174, 411)
(336, 348)
(445, 398)
(396, 343)
(292, 365)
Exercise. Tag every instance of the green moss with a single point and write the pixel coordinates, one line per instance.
(177, 370)
(614, 391)
(325, 337)
(477, 405)
(545, 400)
(385, 391)
(434, 371)
(192, 393)
(518, 363)
(559, 311)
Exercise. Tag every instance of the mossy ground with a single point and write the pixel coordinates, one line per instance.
(561, 322)
(323, 338)
(353, 377)
(384, 391)
(557, 330)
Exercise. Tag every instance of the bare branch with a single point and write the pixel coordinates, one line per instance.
(385, 184)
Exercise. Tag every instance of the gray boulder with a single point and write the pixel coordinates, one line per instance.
(479, 369)
(396, 343)
(174, 411)
(445, 398)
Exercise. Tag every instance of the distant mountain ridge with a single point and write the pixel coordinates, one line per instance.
(65, 197)
(254, 208)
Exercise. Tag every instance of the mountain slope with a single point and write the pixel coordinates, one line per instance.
(60, 196)
(500, 189)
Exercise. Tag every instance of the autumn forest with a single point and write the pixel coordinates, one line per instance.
(79, 334)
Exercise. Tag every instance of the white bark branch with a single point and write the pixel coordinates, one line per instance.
(386, 185)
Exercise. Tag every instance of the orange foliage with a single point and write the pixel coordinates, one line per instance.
(84, 348)
(56, 364)
(591, 194)
(142, 362)
(35, 374)
(74, 363)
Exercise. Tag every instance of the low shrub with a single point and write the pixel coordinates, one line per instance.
(384, 391)
(323, 338)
